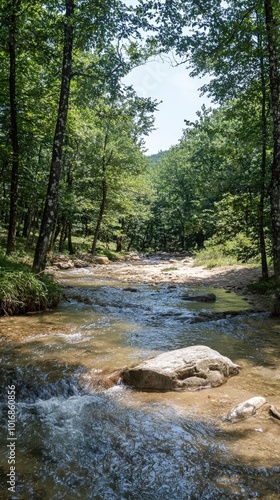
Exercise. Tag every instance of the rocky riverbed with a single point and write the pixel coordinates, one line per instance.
(79, 437)
(176, 269)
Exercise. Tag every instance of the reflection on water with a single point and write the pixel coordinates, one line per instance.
(74, 442)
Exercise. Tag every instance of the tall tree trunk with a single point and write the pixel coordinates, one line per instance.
(55, 233)
(100, 216)
(27, 223)
(63, 235)
(3, 175)
(105, 162)
(11, 242)
(263, 172)
(71, 248)
(40, 257)
(274, 80)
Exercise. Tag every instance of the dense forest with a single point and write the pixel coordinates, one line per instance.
(74, 174)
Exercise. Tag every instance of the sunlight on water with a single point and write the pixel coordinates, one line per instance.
(77, 438)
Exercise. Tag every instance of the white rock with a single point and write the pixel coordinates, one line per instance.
(191, 368)
(245, 409)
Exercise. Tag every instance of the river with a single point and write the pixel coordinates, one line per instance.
(80, 437)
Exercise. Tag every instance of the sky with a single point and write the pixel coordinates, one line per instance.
(180, 97)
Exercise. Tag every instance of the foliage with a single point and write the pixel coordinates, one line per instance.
(207, 187)
(213, 256)
(212, 190)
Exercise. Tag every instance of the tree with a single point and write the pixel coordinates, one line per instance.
(274, 80)
(11, 242)
(229, 42)
(208, 185)
(55, 169)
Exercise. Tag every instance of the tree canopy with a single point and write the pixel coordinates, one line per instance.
(72, 154)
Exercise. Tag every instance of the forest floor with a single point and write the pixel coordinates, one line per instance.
(183, 270)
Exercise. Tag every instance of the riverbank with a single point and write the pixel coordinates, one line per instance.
(22, 292)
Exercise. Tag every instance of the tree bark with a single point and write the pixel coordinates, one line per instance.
(105, 162)
(263, 172)
(100, 216)
(40, 257)
(274, 80)
(11, 241)
(71, 248)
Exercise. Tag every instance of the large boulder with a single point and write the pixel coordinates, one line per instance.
(191, 368)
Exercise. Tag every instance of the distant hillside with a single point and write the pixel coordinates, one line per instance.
(157, 156)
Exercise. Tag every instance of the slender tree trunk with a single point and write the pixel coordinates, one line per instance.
(71, 249)
(63, 235)
(263, 172)
(274, 80)
(27, 223)
(105, 162)
(100, 216)
(3, 175)
(11, 242)
(54, 234)
(40, 257)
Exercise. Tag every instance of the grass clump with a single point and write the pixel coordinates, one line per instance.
(21, 291)
(214, 256)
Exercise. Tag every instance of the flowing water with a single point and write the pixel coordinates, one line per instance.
(80, 437)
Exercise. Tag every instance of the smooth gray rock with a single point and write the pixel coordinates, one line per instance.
(190, 368)
(245, 409)
(201, 297)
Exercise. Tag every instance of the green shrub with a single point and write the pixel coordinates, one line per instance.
(213, 256)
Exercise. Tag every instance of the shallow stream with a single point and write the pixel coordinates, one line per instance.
(78, 438)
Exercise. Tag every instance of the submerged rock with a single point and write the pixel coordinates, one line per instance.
(202, 297)
(245, 409)
(190, 368)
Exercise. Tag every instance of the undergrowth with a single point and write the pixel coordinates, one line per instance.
(21, 291)
(213, 256)
(264, 286)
